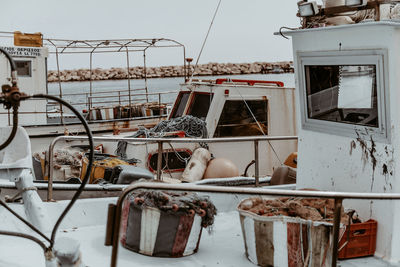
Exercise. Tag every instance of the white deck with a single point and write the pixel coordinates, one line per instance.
(223, 247)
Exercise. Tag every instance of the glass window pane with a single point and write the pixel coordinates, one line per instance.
(24, 68)
(180, 104)
(342, 93)
(200, 105)
(237, 120)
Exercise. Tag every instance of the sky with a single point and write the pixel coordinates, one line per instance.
(242, 30)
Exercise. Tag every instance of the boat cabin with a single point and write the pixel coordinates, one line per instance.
(238, 107)
(347, 84)
(32, 79)
(230, 108)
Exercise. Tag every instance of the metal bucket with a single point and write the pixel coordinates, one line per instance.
(285, 241)
(153, 232)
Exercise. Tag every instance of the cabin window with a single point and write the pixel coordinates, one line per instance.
(238, 118)
(24, 68)
(171, 160)
(180, 104)
(343, 92)
(200, 105)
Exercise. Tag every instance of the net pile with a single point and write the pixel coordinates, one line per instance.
(190, 125)
(173, 202)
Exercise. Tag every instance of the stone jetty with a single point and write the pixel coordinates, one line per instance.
(210, 69)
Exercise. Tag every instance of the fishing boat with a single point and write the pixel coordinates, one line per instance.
(108, 111)
(261, 108)
(348, 136)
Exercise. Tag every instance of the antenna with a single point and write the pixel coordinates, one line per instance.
(204, 42)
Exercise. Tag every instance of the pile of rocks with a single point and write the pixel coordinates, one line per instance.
(171, 71)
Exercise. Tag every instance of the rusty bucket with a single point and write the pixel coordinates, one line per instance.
(285, 241)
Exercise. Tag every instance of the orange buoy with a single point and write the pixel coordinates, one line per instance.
(291, 160)
(221, 168)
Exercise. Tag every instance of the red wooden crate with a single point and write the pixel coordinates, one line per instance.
(360, 242)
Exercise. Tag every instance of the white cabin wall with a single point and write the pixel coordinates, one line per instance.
(30, 85)
(326, 161)
(394, 74)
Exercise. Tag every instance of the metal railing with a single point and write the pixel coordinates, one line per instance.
(160, 142)
(118, 97)
(123, 98)
(113, 227)
(114, 98)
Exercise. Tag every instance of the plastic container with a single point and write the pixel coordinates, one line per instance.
(285, 241)
(359, 241)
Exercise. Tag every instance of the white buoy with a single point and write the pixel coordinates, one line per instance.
(197, 165)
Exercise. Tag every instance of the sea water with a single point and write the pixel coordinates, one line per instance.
(154, 85)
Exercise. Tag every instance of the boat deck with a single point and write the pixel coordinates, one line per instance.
(222, 246)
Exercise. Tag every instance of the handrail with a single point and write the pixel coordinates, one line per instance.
(249, 82)
(338, 196)
(160, 141)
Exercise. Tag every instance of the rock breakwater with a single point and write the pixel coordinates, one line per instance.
(210, 69)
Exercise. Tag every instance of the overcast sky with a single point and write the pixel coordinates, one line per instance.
(242, 31)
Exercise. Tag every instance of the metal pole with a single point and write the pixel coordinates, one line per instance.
(256, 165)
(129, 77)
(59, 86)
(90, 80)
(145, 75)
(184, 66)
(50, 171)
(336, 226)
(159, 103)
(159, 160)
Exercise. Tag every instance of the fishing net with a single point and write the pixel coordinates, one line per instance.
(190, 125)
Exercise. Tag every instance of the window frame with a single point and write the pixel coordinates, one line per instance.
(242, 98)
(375, 57)
(179, 98)
(30, 66)
(191, 100)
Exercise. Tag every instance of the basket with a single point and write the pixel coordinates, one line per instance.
(160, 231)
(359, 241)
(285, 241)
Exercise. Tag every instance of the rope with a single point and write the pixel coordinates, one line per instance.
(258, 124)
(204, 42)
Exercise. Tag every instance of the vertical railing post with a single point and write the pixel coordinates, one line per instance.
(119, 98)
(145, 75)
(59, 87)
(336, 226)
(256, 165)
(50, 169)
(90, 80)
(87, 101)
(159, 160)
(129, 77)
